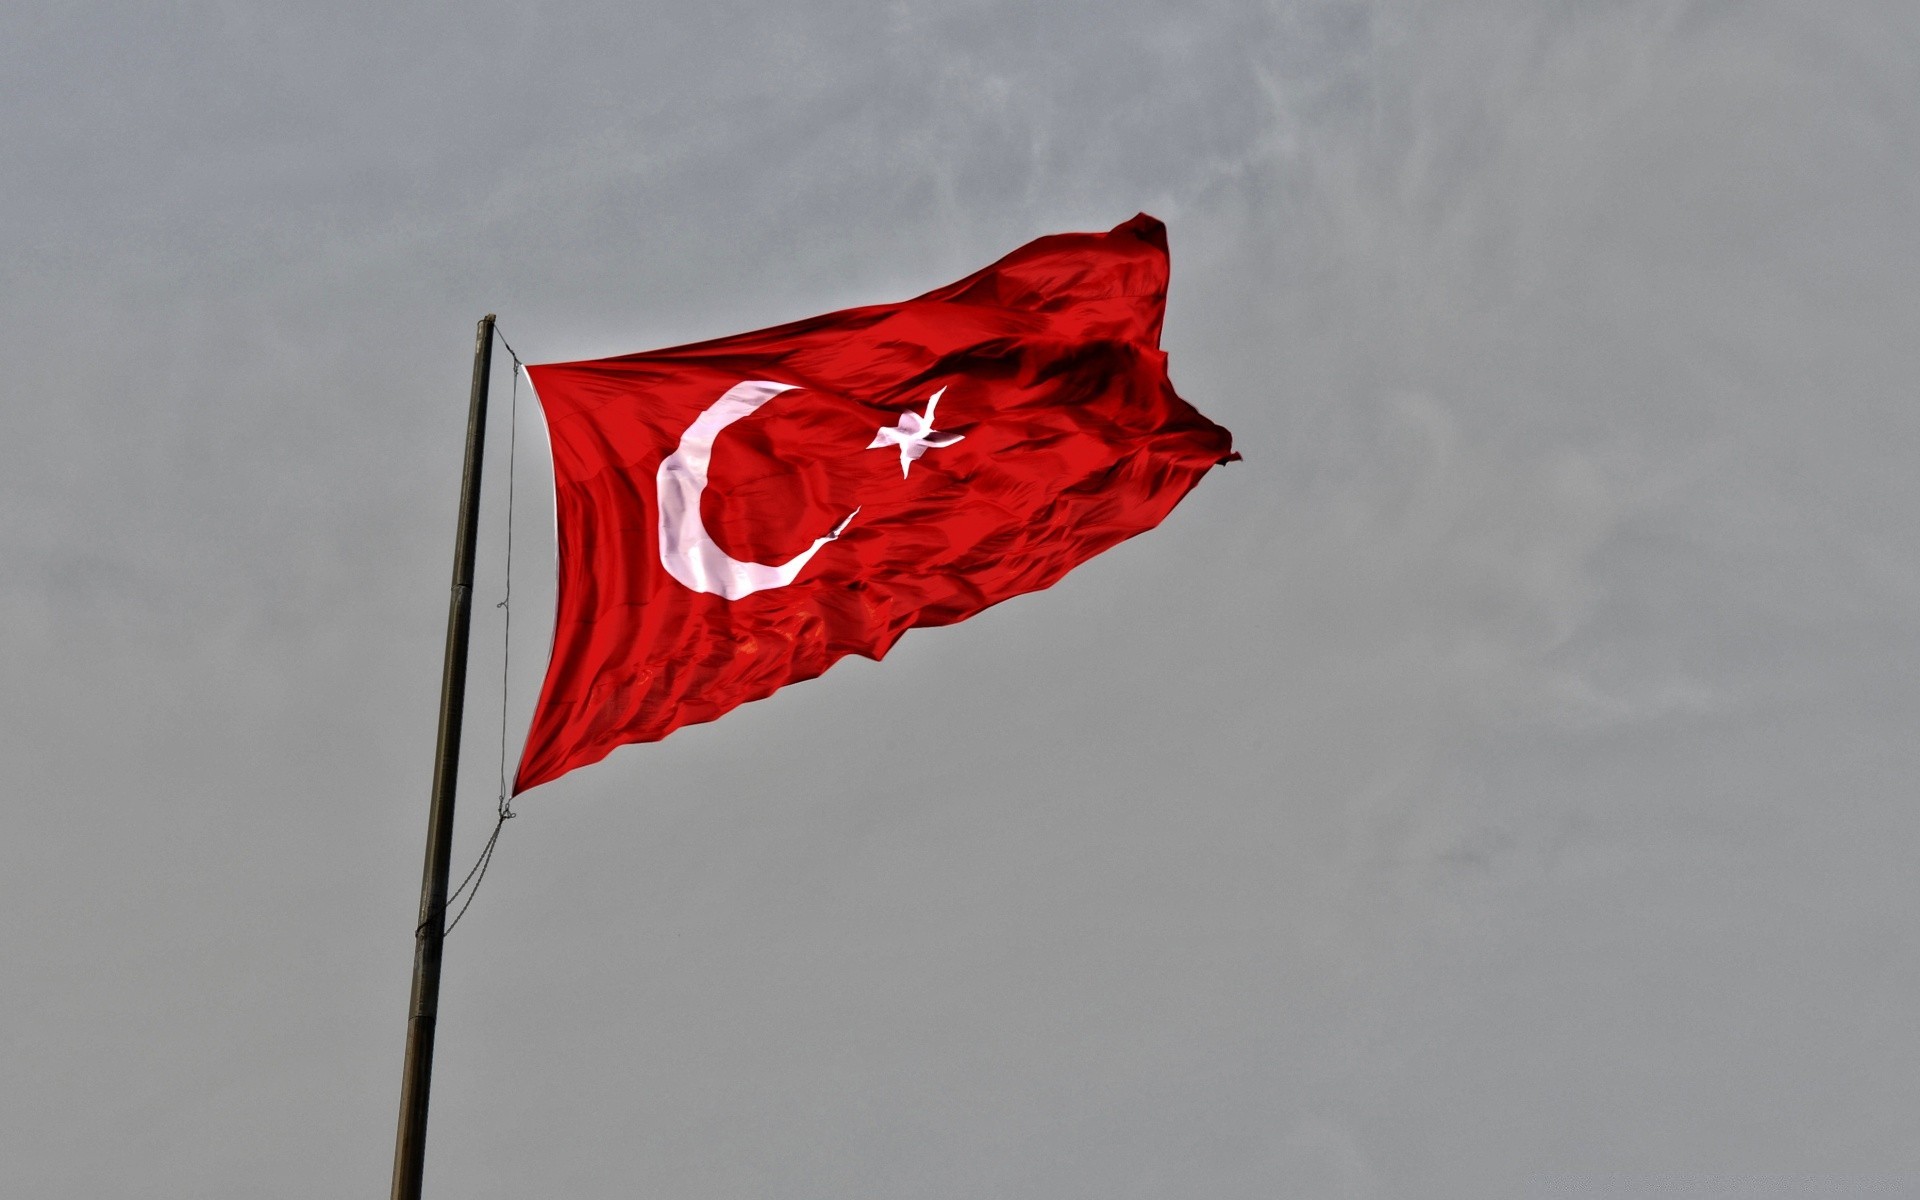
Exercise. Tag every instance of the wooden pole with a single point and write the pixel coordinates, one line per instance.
(409, 1151)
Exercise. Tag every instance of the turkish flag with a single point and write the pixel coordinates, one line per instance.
(736, 515)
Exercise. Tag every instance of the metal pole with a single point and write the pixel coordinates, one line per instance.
(409, 1151)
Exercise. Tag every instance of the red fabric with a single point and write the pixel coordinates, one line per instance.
(1073, 440)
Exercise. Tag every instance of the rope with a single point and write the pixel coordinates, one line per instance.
(506, 600)
(475, 875)
(507, 344)
(504, 809)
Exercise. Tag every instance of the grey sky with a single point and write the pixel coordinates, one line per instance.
(1498, 784)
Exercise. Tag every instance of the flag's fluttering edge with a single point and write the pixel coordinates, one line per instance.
(736, 515)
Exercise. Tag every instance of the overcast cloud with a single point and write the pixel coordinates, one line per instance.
(1499, 784)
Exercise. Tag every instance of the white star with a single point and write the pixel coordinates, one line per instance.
(914, 435)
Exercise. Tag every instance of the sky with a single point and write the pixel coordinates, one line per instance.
(1498, 784)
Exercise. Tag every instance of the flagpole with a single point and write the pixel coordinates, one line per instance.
(409, 1151)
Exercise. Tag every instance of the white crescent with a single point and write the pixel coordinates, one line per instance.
(687, 550)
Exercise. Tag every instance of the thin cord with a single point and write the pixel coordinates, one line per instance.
(504, 810)
(475, 875)
(507, 344)
(506, 601)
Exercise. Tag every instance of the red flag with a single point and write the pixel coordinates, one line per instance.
(736, 515)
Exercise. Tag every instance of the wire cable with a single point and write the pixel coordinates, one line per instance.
(504, 808)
